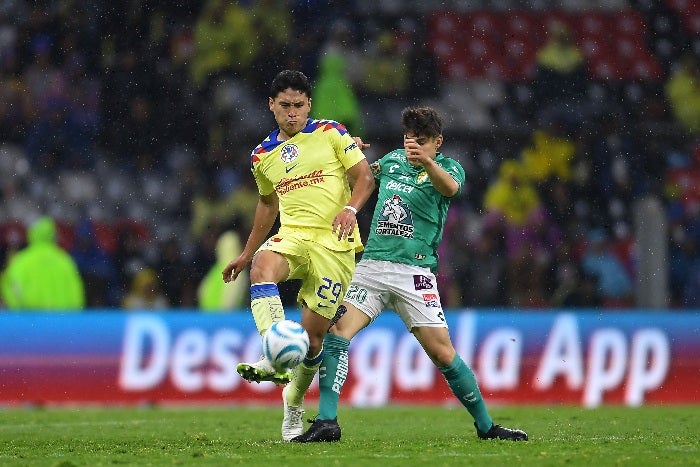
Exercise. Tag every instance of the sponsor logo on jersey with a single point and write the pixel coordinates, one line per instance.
(352, 146)
(286, 185)
(421, 282)
(395, 218)
(431, 300)
(393, 185)
(289, 152)
(422, 177)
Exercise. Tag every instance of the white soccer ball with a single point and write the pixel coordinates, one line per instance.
(285, 344)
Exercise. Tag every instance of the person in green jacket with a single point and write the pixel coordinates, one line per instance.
(42, 276)
(334, 97)
(215, 295)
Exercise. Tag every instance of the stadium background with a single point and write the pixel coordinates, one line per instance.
(131, 123)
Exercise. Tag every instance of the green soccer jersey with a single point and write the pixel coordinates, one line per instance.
(410, 214)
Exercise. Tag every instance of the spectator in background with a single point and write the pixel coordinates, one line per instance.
(213, 293)
(129, 258)
(334, 97)
(386, 71)
(560, 75)
(12, 239)
(575, 289)
(145, 293)
(225, 41)
(614, 282)
(549, 154)
(96, 267)
(514, 202)
(484, 281)
(176, 275)
(691, 289)
(55, 140)
(211, 208)
(229, 37)
(511, 196)
(42, 276)
(683, 93)
(682, 252)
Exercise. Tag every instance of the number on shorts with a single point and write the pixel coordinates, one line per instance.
(357, 294)
(335, 289)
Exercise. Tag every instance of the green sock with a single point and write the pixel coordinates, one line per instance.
(331, 378)
(303, 376)
(463, 384)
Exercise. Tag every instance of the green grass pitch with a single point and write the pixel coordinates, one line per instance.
(391, 436)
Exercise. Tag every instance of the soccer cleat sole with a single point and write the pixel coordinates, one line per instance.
(256, 375)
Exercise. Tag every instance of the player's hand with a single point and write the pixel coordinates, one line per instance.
(234, 268)
(416, 154)
(344, 223)
(360, 144)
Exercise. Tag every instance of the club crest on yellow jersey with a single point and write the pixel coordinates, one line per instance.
(288, 153)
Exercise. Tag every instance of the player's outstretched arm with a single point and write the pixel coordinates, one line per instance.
(362, 183)
(265, 216)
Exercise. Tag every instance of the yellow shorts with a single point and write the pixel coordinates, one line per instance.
(325, 274)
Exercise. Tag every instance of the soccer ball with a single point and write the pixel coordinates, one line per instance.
(285, 344)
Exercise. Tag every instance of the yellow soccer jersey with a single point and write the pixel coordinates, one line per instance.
(308, 173)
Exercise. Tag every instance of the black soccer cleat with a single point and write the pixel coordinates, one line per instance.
(501, 432)
(320, 431)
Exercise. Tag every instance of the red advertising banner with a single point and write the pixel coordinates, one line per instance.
(586, 358)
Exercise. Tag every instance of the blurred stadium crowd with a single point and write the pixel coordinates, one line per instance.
(131, 124)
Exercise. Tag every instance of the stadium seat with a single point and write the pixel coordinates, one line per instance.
(604, 67)
(503, 46)
(628, 23)
(484, 24)
(593, 24)
(524, 25)
(550, 18)
(65, 234)
(520, 57)
(691, 22)
(12, 233)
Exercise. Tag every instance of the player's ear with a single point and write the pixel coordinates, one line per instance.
(438, 142)
(270, 102)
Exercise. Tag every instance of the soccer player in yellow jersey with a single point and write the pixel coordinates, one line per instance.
(314, 174)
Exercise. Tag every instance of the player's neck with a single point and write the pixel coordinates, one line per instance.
(283, 136)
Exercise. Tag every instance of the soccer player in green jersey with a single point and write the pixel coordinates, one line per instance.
(314, 175)
(397, 272)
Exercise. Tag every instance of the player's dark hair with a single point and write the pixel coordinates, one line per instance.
(421, 121)
(293, 79)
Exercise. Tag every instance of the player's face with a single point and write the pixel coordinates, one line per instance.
(419, 148)
(291, 109)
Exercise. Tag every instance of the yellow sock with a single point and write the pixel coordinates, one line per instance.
(303, 376)
(266, 305)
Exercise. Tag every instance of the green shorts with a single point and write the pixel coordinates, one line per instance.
(325, 274)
